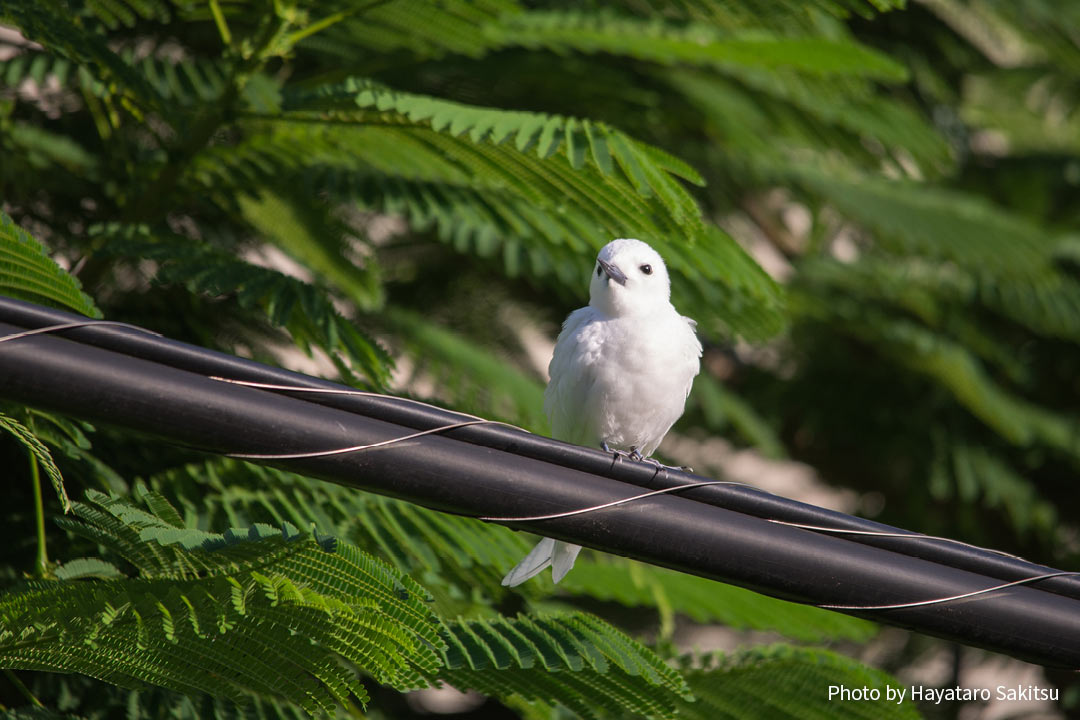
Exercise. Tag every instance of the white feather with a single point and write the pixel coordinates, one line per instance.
(621, 372)
(533, 564)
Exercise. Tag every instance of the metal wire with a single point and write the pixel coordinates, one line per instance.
(71, 325)
(613, 503)
(355, 448)
(476, 420)
(361, 393)
(903, 535)
(951, 598)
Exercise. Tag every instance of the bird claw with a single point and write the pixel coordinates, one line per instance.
(661, 467)
(635, 455)
(619, 454)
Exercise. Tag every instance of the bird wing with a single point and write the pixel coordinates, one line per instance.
(571, 378)
(693, 354)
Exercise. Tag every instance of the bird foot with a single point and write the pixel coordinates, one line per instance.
(662, 467)
(635, 455)
(616, 454)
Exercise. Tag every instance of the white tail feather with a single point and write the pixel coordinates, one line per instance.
(562, 559)
(559, 555)
(538, 559)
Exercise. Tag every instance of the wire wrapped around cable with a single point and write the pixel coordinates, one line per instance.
(438, 471)
(419, 416)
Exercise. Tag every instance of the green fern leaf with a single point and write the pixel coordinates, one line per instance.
(528, 128)
(958, 370)
(160, 507)
(188, 82)
(268, 612)
(44, 149)
(599, 668)
(87, 697)
(1009, 260)
(720, 407)
(941, 224)
(941, 296)
(117, 13)
(979, 475)
(81, 568)
(304, 309)
(487, 197)
(62, 35)
(421, 28)
(695, 44)
(27, 273)
(1015, 419)
(287, 603)
(39, 713)
(784, 681)
(782, 14)
(40, 455)
(479, 379)
(455, 556)
(705, 601)
(770, 117)
(308, 234)
(36, 66)
(728, 291)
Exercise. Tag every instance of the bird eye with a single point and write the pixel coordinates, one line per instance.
(647, 269)
(598, 271)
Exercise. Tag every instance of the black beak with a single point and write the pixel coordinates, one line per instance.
(613, 272)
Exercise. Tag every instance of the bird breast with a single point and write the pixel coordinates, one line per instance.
(642, 374)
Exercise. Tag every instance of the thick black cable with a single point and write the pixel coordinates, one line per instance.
(54, 373)
(421, 417)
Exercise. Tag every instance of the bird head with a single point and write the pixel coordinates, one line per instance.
(629, 278)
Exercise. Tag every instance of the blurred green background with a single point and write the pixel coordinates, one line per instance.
(869, 206)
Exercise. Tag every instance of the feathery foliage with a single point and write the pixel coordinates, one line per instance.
(706, 601)
(294, 602)
(603, 672)
(27, 273)
(285, 301)
(697, 44)
(785, 681)
(292, 617)
(39, 454)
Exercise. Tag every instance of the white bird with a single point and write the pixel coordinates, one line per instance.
(622, 370)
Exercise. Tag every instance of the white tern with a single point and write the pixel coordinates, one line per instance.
(620, 375)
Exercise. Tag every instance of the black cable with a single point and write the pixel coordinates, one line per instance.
(439, 472)
(735, 497)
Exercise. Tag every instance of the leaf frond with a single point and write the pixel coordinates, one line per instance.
(305, 310)
(705, 601)
(696, 44)
(596, 668)
(40, 453)
(785, 681)
(27, 273)
(265, 611)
